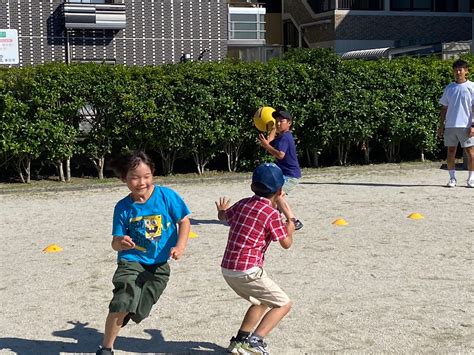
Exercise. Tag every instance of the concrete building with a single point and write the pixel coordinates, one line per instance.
(133, 32)
(348, 25)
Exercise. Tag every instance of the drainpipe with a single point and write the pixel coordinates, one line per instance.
(68, 48)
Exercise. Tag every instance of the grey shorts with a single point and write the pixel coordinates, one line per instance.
(138, 287)
(453, 136)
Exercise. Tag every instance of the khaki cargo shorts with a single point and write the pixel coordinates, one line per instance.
(258, 288)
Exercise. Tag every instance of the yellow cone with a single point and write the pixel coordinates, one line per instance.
(52, 248)
(340, 222)
(192, 235)
(416, 215)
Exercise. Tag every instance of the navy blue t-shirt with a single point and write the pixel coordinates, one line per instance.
(289, 164)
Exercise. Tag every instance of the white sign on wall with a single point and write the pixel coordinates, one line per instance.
(9, 47)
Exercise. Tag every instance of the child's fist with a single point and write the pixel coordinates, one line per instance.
(176, 253)
(127, 243)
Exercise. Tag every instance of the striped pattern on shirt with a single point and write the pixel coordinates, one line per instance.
(254, 224)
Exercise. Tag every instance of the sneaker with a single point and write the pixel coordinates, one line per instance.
(104, 351)
(451, 183)
(234, 346)
(254, 347)
(298, 224)
(470, 183)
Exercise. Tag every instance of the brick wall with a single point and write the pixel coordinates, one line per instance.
(406, 30)
(157, 32)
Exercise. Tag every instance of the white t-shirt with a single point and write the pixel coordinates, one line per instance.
(459, 98)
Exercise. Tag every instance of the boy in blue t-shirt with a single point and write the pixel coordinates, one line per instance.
(281, 144)
(150, 225)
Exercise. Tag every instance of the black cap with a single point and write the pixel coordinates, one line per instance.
(280, 114)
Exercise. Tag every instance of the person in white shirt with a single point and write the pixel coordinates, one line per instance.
(456, 121)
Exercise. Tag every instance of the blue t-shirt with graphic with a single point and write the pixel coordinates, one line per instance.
(151, 225)
(289, 164)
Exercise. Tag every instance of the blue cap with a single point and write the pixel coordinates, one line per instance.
(269, 175)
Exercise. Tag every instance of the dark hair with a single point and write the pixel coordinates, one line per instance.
(460, 64)
(129, 161)
(261, 190)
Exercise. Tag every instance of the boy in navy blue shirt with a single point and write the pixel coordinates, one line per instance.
(281, 144)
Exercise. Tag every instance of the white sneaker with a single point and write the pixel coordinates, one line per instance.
(451, 183)
(470, 183)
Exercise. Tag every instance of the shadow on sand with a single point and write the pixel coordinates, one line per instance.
(372, 184)
(82, 339)
(196, 222)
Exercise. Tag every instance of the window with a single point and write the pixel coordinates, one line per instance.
(91, 1)
(246, 26)
(360, 4)
(446, 5)
(424, 5)
(320, 5)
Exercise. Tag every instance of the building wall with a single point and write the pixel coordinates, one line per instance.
(157, 32)
(403, 30)
(352, 30)
(273, 28)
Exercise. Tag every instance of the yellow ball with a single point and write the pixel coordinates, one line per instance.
(263, 119)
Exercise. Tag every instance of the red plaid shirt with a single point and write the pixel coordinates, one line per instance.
(254, 223)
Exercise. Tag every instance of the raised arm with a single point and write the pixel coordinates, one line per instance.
(265, 144)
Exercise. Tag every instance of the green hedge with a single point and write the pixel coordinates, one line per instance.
(203, 111)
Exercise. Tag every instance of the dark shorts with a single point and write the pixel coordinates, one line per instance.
(138, 287)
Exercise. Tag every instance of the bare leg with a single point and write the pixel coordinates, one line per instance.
(112, 327)
(470, 158)
(252, 317)
(284, 207)
(451, 158)
(271, 319)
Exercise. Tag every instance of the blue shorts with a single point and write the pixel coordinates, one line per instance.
(290, 184)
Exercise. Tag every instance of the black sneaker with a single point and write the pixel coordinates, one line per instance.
(104, 351)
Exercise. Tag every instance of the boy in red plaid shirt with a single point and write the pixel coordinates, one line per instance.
(254, 223)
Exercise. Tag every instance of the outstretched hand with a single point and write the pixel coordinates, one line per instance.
(262, 140)
(222, 204)
(440, 132)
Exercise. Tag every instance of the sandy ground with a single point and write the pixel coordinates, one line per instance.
(383, 283)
